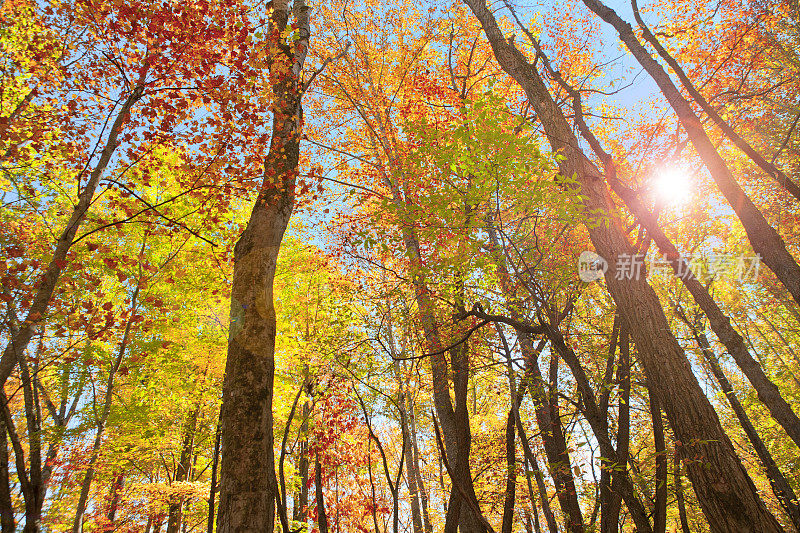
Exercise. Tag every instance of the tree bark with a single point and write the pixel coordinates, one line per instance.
(212, 491)
(249, 484)
(511, 474)
(679, 494)
(660, 507)
(6, 506)
(322, 517)
(725, 492)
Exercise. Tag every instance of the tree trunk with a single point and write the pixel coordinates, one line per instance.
(212, 491)
(766, 390)
(175, 514)
(6, 506)
(511, 474)
(610, 523)
(765, 240)
(679, 494)
(322, 516)
(249, 485)
(41, 300)
(412, 425)
(725, 492)
(116, 488)
(555, 444)
(660, 507)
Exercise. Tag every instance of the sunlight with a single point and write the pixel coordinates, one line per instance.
(673, 186)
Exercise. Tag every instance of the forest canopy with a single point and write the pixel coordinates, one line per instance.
(396, 267)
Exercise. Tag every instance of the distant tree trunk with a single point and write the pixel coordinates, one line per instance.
(301, 505)
(212, 491)
(621, 484)
(763, 237)
(679, 494)
(249, 485)
(175, 514)
(322, 516)
(116, 489)
(411, 474)
(412, 425)
(511, 474)
(555, 444)
(660, 507)
(6, 506)
(726, 493)
(623, 433)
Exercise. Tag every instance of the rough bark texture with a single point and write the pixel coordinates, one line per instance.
(249, 484)
(724, 490)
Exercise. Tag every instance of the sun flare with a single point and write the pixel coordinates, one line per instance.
(673, 186)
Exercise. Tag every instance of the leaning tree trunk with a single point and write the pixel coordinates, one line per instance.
(726, 493)
(780, 486)
(248, 482)
(768, 393)
(765, 240)
(18, 342)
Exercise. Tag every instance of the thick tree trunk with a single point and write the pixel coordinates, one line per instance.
(763, 237)
(249, 485)
(766, 390)
(725, 492)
